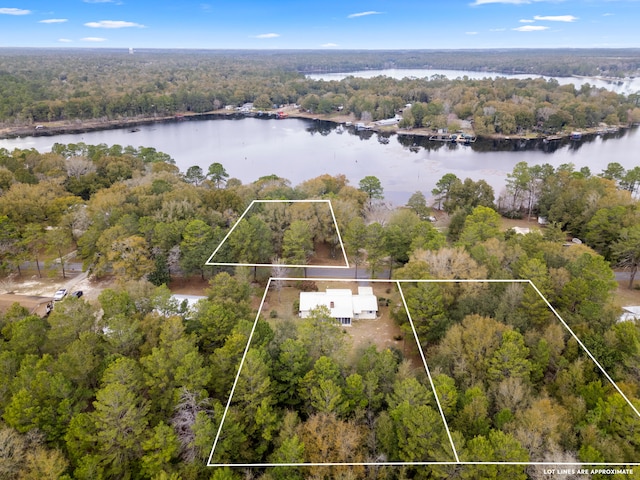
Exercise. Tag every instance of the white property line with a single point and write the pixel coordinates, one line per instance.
(584, 347)
(419, 463)
(228, 264)
(426, 367)
(422, 464)
(235, 382)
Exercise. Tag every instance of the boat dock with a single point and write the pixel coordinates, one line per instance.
(462, 138)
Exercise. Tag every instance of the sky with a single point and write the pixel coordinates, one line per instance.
(326, 24)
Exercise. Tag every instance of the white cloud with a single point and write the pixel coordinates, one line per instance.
(54, 20)
(497, 29)
(14, 11)
(531, 28)
(329, 45)
(471, 33)
(112, 24)
(364, 14)
(524, 20)
(65, 40)
(608, 14)
(98, 1)
(94, 39)
(268, 35)
(556, 18)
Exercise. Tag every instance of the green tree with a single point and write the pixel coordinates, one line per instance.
(473, 415)
(510, 359)
(251, 242)
(9, 244)
(160, 449)
(110, 437)
(372, 187)
(68, 321)
(321, 334)
(483, 223)
(59, 241)
(428, 310)
(41, 400)
(161, 275)
(398, 235)
(297, 243)
(33, 241)
(626, 251)
(518, 184)
(355, 237)
(614, 171)
(443, 188)
(376, 247)
(426, 237)
(418, 203)
(194, 175)
(263, 102)
(130, 257)
(468, 194)
(25, 335)
(420, 435)
(588, 293)
(253, 399)
(213, 321)
(198, 243)
(173, 366)
(533, 308)
(604, 227)
(217, 174)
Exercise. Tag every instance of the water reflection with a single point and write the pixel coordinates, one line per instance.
(299, 149)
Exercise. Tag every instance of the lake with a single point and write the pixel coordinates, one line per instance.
(625, 85)
(299, 149)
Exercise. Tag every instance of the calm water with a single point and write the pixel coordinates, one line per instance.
(299, 149)
(625, 86)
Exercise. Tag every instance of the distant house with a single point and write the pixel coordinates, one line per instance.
(389, 121)
(343, 305)
(522, 230)
(247, 107)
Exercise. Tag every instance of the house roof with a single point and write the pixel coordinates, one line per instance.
(338, 302)
(341, 302)
(365, 301)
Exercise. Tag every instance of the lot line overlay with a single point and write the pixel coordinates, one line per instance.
(232, 264)
(398, 284)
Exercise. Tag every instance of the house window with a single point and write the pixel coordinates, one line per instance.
(331, 305)
(345, 321)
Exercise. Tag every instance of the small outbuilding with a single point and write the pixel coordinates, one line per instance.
(630, 313)
(343, 305)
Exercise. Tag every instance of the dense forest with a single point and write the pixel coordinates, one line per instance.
(135, 384)
(39, 86)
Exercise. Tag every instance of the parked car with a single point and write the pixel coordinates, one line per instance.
(60, 294)
(77, 294)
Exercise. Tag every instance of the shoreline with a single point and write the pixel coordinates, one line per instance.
(50, 129)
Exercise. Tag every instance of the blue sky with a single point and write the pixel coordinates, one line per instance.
(326, 24)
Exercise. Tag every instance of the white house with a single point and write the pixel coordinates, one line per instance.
(343, 305)
(389, 121)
